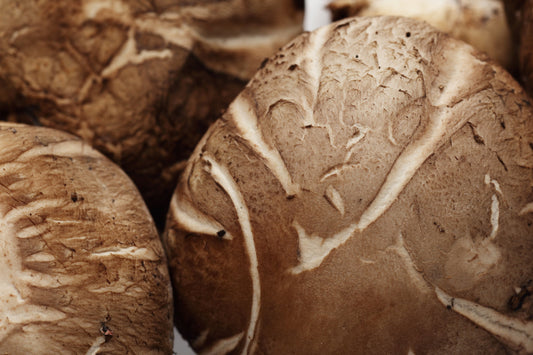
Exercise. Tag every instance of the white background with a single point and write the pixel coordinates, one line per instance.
(316, 15)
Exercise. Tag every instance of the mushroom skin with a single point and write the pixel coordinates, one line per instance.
(369, 191)
(83, 268)
(139, 80)
(481, 23)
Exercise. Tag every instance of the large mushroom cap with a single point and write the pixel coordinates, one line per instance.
(139, 80)
(370, 191)
(82, 268)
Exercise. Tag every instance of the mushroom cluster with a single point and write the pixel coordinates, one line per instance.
(367, 188)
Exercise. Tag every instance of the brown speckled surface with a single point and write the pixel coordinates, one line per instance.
(79, 252)
(375, 189)
(140, 81)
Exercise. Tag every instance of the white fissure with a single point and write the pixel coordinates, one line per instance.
(527, 209)
(312, 64)
(95, 347)
(515, 331)
(129, 55)
(128, 253)
(31, 208)
(495, 207)
(315, 249)
(223, 346)
(245, 120)
(192, 220)
(416, 276)
(352, 142)
(335, 199)
(222, 176)
(14, 278)
(70, 148)
(494, 217)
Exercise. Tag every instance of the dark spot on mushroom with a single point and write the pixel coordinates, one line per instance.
(501, 162)
(221, 233)
(448, 307)
(408, 34)
(13, 130)
(517, 300)
(477, 138)
(74, 197)
(495, 11)
(263, 63)
(357, 56)
(292, 67)
(290, 197)
(106, 331)
(439, 227)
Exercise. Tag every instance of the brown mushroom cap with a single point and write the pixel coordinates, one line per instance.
(139, 80)
(82, 268)
(370, 191)
(481, 23)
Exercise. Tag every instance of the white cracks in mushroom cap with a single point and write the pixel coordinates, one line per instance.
(128, 253)
(223, 177)
(414, 273)
(245, 119)
(224, 346)
(495, 207)
(442, 124)
(527, 209)
(515, 332)
(192, 220)
(129, 55)
(335, 199)
(68, 148)
(471, 258)
(312, 64)
(15, 310)
(95, 347)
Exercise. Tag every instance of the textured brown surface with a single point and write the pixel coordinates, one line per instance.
(370, 191)
(138, 80)
(79, 251)
(481, 23)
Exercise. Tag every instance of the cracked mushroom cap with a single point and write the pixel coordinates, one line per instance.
(139, 80)
(82, 268)
(481, 23)
(370, 191)
(520, 14)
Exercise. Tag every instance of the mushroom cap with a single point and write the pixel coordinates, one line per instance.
(481, 23)
(369, 191)
(83, 268)
(139, 80)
